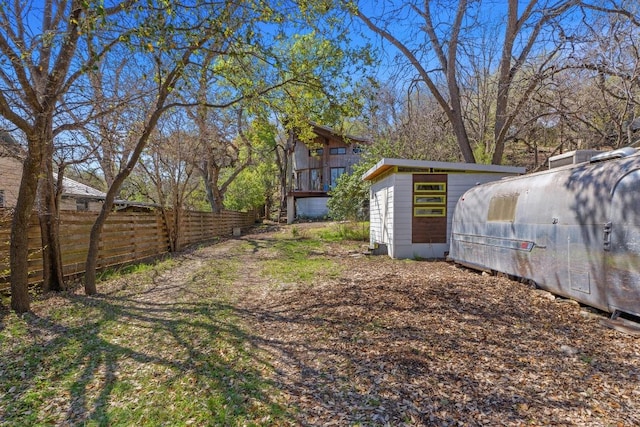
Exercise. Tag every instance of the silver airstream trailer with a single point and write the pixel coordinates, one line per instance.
(574, 230)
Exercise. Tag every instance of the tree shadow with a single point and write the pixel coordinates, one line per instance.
(193, 348)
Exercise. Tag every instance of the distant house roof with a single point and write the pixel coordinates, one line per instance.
(71, 188)
(328, 131)
(10, 147)
(389, 163)
(77, 189)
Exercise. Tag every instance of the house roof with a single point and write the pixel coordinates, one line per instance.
(388, 163)
(328, 131)
(77, 189)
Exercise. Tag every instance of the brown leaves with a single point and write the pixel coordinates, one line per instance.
(427, 343)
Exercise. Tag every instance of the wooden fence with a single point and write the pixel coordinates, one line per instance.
(126, 237)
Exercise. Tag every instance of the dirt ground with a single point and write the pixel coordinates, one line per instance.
(391, 342)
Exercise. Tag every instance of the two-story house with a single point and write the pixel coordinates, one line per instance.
(316, 168)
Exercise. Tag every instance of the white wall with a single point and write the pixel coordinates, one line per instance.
(381, 211)
(402, 219)
(312, 207)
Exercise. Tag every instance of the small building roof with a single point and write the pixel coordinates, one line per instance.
(427, 165)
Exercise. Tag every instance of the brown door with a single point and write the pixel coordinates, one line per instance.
(429, 223)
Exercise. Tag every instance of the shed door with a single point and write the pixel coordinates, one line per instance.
(429, 216)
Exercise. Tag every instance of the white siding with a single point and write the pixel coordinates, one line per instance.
(402, 206)
(421, 251)
(312, 207)
(381, 212)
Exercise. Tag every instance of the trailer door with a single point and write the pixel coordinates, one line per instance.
(621, 243)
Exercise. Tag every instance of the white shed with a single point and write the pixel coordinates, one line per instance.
(412, 203)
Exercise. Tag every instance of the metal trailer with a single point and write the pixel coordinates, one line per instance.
(574, 230)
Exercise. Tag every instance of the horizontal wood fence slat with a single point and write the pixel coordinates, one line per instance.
(126, 237)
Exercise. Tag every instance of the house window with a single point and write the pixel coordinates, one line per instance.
(82, 205)
(1, 198)
(316, 152)
(357, 150)
(335, 174)
(338, 150)
(316, 179)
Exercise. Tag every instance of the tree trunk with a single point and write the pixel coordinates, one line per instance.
(504, 82)
(216, 199)
(214, 195)
(19, 247)
(96, 230)
(283, 156)
(91, 264)
(48, 214)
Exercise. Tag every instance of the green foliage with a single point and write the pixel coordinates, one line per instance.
(297, 259)
(255, 184)
(247, 191)
(350, 197)
(358, 231)
(481, 155)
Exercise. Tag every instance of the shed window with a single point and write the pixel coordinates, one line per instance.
(503, 208)
(430, 187)
(338, 150)
(429, 211)
(316, 152)
(430, 199)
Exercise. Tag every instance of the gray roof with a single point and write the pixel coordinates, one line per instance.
(388, 163)
(77, 189)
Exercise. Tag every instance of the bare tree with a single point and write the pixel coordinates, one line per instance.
(610, 57)
(169, 163)
(42, 58)
(221, 142)
(449, 32)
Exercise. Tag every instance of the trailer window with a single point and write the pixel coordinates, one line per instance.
(503, 208)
